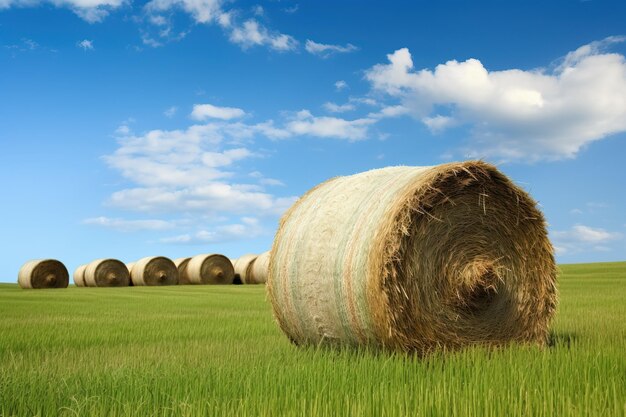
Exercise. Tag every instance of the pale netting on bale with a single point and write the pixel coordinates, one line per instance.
(413, 259)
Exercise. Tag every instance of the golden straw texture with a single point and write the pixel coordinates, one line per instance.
(79, 276)
(210, 269)
(242, 266)
(43, 273)
(414, 259)
(258, 269)
(106, 273)
(157, 270)
(181, 264)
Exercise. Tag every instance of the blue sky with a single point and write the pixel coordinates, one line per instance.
(179, 127)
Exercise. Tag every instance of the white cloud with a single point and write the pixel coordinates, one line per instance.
(129, 225)
(328, 127)
(390, 111)
(85, 44)
(325, 50)
(202, 11)
(252, 33)
(207, 111)
(341, 85)
(170, 112)
(515, 114)
(338, 108)
(90, 10)
(247, 228)
(583, 238)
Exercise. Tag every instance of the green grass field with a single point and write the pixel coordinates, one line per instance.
(215, 351)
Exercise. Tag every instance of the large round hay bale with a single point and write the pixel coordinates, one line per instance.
(181, 264)
(413, 259)
(259, 269)
(155, 270)
(130, 266)
(242, 266)
(43, 273)
(210, 269)
(79, 276)
(107, 273)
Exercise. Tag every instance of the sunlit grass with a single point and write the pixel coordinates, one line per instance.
(215, 351)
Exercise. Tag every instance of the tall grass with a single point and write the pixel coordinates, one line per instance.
(215, 351)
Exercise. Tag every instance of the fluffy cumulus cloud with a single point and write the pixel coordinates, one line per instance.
(252, 33)
(546, 113)
(90, 10)
(209, 111)
(191, 173)
(246, 33)
(581, 238)
(325, 50)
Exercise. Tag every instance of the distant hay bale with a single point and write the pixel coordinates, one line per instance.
(43, 273)
(106, 273)
(210, 269)
(130, 266)
(414, 259)
(156, 270)
(79, 276)
(258, 269)
(181, 264)
(242, 266)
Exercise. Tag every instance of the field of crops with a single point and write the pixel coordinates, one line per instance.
(215, 351)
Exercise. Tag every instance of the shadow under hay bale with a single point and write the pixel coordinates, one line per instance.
(43, 273)
(414, 259)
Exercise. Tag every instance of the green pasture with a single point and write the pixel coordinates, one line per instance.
(215, 351)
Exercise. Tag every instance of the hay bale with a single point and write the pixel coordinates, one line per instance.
(130, 266)
(79, 276)
(181, 264)
(242, 266)
(107, 273)
(155, 270)
(43, 273)
(259, 269)
(414, 259)
(210, 269)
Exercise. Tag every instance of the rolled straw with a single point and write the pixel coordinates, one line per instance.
(210, 269)
(43, 273)
(414, 259)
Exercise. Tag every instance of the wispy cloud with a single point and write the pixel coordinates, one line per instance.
(124, 225)
(92, 11)
(582, 238)
(85, 45)
(326, 50)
